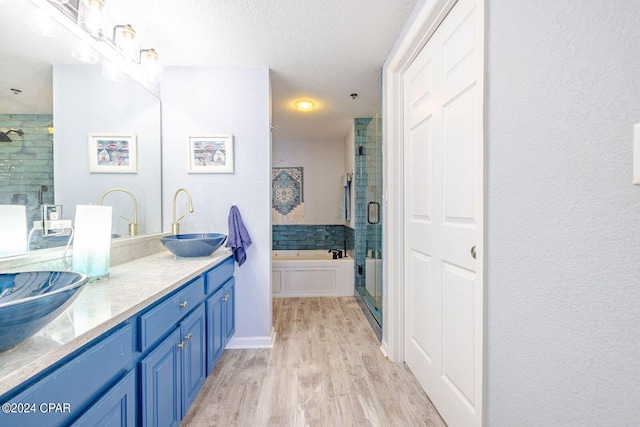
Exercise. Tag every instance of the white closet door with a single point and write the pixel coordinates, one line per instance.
(443, 217)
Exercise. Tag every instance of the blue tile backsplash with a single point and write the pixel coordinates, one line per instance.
(304, 237)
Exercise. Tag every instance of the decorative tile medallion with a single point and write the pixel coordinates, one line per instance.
(287, 189)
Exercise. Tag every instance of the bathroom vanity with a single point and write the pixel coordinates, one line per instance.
(133, 349)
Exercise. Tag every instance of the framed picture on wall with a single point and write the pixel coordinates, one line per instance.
(113, 153)
(210, 153)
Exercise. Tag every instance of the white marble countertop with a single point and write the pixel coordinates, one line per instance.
(100, 306)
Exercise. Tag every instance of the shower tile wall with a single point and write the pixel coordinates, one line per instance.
(26, 163)
(350, 238)
(305, 237)
(361, 183)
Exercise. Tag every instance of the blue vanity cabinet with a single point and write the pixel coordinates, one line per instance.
(218, 275)
(58, 397)
(194, 361)
(229, 309)
(145, 371)
(220, 322)
(161, 383)
(215, 334)
(220, 305)
(173, 373)
(116, 408)
(156, 322)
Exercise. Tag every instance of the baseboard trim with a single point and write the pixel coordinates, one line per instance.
(252, 342)
(384, 348)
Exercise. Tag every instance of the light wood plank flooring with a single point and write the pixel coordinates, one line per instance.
(325, 369)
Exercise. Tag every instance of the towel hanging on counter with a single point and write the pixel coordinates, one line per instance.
(239, 239)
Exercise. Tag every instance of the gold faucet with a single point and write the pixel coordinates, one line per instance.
(175, 226)
(133, 225)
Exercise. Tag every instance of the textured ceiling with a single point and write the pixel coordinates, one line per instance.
(322, 50)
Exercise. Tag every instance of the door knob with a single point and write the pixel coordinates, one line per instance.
(473, 251)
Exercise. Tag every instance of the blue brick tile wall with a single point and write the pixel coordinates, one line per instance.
(350, 238)
(361, 182)
(305, 237)
(26, 163)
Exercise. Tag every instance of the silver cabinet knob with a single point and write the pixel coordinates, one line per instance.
(181, 345)
(188, 337)
(225, 297)
(184, 304)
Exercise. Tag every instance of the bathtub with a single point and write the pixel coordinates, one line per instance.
(310, 273)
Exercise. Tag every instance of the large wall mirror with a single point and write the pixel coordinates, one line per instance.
(50, 104)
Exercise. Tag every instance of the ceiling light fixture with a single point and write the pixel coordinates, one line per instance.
(305, 105)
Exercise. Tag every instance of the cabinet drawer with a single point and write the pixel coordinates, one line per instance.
(220, 274)
(75, 384)
(155, 323)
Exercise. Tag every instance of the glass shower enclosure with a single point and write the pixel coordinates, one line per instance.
(368, 218)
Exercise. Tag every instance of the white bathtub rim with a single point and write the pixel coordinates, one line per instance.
(306, 255)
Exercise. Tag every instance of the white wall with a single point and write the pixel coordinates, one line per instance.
(349, 166)
(235, 101)
(85, 102)
(563, 242)
(323, 162)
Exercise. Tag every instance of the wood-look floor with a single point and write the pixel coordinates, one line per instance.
(325, 369)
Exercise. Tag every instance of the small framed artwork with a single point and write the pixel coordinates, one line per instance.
(210, 153)
(113, 153)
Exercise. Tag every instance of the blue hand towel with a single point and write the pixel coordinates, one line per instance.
(239, 239)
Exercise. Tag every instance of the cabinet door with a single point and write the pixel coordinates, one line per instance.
(76, 384)
(215, 332)
(229, 310)
(193, 356)
(161, 379)
(117, 408)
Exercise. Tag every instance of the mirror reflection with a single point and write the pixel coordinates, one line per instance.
(50, 105)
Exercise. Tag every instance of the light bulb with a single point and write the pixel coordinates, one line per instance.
(305, 105)
(90, 17)
(151, 65)
(126, 41)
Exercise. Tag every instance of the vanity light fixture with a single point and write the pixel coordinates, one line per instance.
(305, 105)
(124, 43)
(122, 48)
(149, 60)
(124, 38)
(90, 17)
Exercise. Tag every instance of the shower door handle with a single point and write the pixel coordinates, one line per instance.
(373, 213)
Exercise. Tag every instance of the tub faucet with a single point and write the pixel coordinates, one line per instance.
(175, 225)
(336, 253)
(133, 225)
